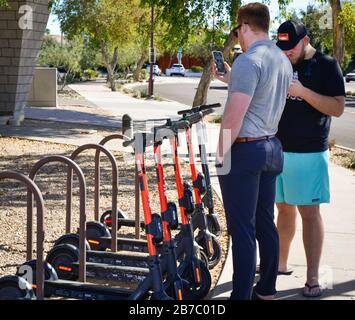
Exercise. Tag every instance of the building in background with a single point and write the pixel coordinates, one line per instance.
(22, 27)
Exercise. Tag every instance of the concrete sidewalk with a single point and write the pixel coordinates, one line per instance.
(338, 263)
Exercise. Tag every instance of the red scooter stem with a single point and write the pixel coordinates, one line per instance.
(145, 199)
(161, 189)
(178, 179)
(193, 166)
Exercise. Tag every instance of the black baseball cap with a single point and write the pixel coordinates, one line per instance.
(289, 34)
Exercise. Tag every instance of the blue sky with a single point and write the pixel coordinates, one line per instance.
(54, 28)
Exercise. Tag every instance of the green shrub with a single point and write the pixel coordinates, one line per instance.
(144, 74)
(90, 74)
(144, 93)
(196, 69)
(350, 162)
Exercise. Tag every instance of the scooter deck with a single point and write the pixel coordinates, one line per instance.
(136, 259)
(85, 291)
(114, 273)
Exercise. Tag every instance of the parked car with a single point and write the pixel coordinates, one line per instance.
(156, 70)
(176, 69)
(350, 76)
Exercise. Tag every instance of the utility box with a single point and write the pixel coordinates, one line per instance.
(22, 27)
(43, 91)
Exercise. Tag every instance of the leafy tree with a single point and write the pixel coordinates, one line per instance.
(107, 24)
(4, 4)
(67, 57)
(321, 38)
(347, 18)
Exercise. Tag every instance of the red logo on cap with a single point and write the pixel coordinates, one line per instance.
(283, 37)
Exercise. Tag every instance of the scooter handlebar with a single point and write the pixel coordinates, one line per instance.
(197, 117)
(200, 108)
(128, 143)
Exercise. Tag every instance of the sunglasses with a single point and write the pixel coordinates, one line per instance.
(235, 30)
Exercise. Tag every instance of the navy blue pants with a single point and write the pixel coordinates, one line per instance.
(248, 192)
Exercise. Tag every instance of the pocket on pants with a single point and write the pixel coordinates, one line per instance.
(277, 161)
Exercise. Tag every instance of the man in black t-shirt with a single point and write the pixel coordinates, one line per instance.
(316, 94)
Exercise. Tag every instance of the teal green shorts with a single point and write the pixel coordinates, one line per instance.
(304, 180)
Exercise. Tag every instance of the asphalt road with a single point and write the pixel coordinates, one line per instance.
(183, 91)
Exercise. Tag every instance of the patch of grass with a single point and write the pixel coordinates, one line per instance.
(144, 93)
(215, 119)
(343, 158)
(349, 161)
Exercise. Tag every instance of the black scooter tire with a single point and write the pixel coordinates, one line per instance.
(15, 288)
(49, 274)
(73, 239)
(96, 230)
(192, 292)
(217, 253)
(61, 259)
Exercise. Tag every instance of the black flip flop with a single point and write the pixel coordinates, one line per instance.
(310, 295)
(280, 273)
(285, 273)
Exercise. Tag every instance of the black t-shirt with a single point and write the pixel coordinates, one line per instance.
(302, 128)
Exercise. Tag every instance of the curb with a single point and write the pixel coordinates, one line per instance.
(345, 148)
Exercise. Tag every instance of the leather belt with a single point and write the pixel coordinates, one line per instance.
(242, 140)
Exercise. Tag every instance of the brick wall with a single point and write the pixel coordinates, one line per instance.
(166, 60)
(20, 42)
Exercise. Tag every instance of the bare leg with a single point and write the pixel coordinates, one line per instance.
(286, 226)
(313, 236)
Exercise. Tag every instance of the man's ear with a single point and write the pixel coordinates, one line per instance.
(307, 40)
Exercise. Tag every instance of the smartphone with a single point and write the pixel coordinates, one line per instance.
(219, 61)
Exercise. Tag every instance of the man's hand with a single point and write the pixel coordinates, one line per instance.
(296, 89)
(219, 161)
(226, 77)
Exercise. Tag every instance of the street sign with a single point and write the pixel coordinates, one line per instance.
(179, 55)
(152, 55)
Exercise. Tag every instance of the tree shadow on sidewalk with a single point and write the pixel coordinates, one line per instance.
(339, 291)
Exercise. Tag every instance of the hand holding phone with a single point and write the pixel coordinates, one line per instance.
(219, 61)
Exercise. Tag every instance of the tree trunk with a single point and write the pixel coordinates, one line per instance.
(207, 76)
(109, 64)
(338, 32)
(114, 59)
(137, 72)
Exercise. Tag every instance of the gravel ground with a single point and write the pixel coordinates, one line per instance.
(22, 154)
(343, 158)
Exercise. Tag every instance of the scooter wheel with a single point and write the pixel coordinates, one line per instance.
(96, 230)
(62, 258)
(28, 272)
(203, 257)
(73, 239)
(15, 288)
(217, 253)
(214, 225)
(193, 291)
(106, 218)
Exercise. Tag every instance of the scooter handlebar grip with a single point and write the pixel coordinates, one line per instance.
(194, 118)
(128, 143)
(197, 117)
(181, 125)
(200, 108)
(210, 106)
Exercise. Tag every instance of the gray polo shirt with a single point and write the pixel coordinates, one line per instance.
(265, 74)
